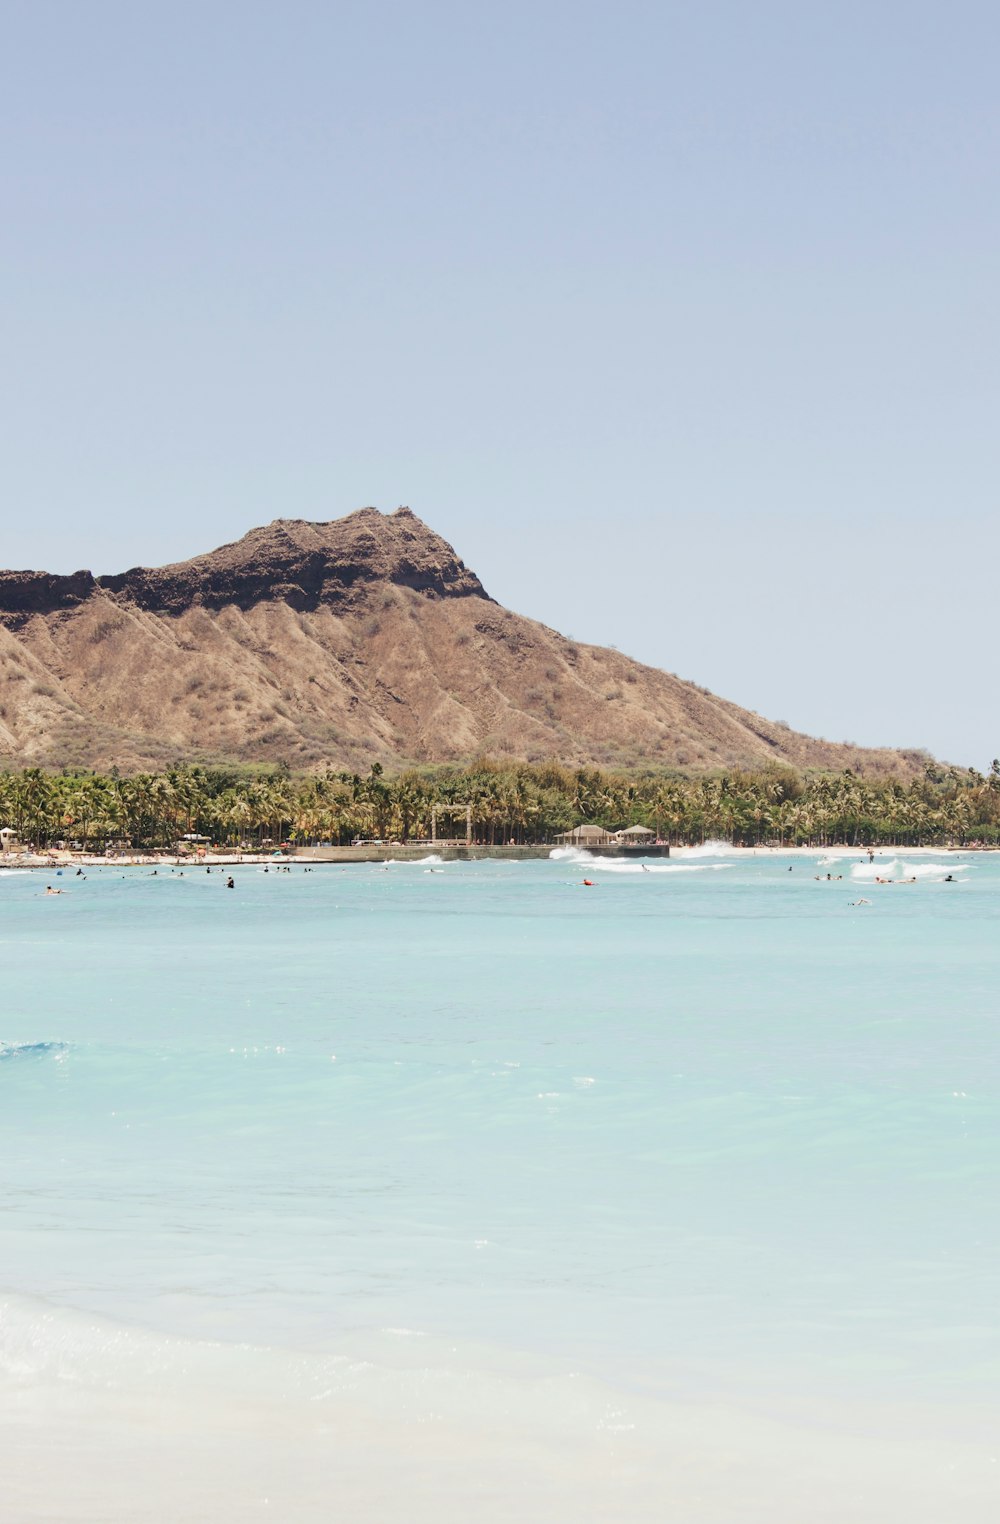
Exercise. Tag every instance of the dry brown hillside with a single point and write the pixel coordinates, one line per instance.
(359, 640)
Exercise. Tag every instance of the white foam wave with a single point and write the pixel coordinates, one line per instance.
(414, 862)
(610, 865)
(570, 855)
(899, 870)
(708, 849)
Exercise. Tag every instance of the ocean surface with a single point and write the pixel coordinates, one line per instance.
(438, 1192)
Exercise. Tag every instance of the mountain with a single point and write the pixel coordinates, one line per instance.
(365, 639)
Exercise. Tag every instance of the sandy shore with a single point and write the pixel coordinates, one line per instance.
(344, 855)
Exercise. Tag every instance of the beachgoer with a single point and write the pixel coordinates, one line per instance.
(49, 890)
(589, 883)
(949, 879)
(230, 884)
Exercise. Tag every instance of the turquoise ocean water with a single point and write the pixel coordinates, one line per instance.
(438, 1152)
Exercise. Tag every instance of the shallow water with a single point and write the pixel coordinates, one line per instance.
(375, 1178)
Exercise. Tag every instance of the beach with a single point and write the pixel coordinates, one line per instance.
(435, 1190)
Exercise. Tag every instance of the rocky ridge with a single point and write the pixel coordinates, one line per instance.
(347, 642)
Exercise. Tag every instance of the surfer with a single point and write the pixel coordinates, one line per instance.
(230, 883)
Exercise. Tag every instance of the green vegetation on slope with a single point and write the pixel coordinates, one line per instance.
(510, 802)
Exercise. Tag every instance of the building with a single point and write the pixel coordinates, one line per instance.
(586, 836)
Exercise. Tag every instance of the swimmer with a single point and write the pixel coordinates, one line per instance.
(860, 902)
(949, 879)
(49, 890)
(588, 883)
(230, 884)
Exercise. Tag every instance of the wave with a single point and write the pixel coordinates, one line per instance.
(709, 849)
(612, 866)
(898, 869)
(629, 865)
(413, 862)
(11, 1050)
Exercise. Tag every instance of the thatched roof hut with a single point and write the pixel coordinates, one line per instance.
(586, 836)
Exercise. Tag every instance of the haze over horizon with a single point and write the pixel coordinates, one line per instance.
(679, 326)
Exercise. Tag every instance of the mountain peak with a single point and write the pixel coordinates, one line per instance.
(305, 564)
(358, 639)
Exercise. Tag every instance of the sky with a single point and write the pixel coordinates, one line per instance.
(680, 322)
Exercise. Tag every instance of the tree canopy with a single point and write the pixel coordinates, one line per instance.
(524, 803)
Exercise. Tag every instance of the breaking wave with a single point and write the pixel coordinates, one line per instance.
(709, 849)
(10, 1050)
(898, 869)
(625, 865)
(414, 862)
(616, 866)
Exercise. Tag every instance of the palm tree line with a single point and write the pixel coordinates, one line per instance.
(511, 802)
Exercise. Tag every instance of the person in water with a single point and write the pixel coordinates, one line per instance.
(230, 884)
(49, 890)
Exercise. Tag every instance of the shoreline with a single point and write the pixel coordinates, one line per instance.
(387, 1409)
(449, 852)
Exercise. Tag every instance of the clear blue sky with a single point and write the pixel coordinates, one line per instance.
(680, 321)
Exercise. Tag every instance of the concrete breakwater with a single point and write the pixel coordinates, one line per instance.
(456, 852)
